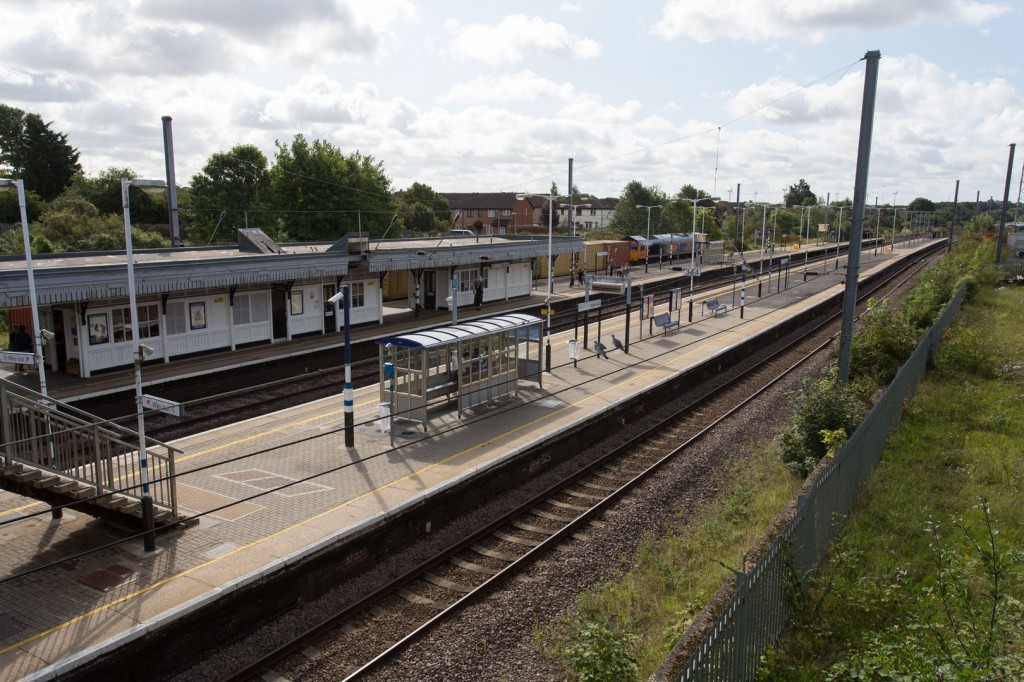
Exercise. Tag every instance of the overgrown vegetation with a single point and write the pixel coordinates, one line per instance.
(638, 616)
(885, 339)
(926, 582)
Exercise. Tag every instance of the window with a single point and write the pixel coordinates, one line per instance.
(506, 212)
(121, 322)
(175, 317)
(490, 213)
(358, 292)
(470, 212)
(250, 308)
(468, 279)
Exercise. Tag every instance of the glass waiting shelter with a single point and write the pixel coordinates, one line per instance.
(475, 361)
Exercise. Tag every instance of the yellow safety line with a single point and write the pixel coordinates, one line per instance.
(168, 579)
(15, 510)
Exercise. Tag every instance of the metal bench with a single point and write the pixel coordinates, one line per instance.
(665, 321)
(713, 305)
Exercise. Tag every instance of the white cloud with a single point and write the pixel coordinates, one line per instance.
(769, 20)
(511, 88)
(515, 38)
(571, 7)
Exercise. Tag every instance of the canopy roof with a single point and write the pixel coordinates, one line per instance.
(443, 336)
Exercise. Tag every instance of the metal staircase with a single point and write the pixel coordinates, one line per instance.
(56, 453)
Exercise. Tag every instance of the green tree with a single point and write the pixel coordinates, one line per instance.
(104, 192)
(630, 220)
(34, 152)
(921, 204)
(800, 194)
(423, 209)
(323, 194)
(230, 186)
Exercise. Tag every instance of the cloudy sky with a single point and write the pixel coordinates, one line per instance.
(496, 96)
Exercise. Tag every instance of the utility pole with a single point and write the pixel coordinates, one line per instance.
(867, 119)
(1006, 198)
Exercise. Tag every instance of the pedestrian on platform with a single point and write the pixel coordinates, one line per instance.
(579, 276)
(478, 294)
(21, 342)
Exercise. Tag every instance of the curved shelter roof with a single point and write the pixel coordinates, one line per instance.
(443, 336)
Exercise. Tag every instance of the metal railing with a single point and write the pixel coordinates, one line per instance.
(59, 439)
(750, 610)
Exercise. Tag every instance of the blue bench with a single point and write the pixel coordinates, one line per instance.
(665, 321)
(714, 306)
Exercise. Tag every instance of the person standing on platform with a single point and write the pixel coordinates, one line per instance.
(579, 276)
(21, 342)
(478, 294)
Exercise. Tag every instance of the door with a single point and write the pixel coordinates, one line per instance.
(329, 322)
(59, 340)
(430, 290)
(279, 312)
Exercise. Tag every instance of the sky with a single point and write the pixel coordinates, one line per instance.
(487, 96)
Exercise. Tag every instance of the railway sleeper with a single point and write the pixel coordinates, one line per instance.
(515, 539)
(552, 517)
(532, 529)
(447, 584)
(473, 568)
(500, 556)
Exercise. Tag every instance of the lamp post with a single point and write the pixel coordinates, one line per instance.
(350, 433)
(647, 259)
(37, 331)
(893, 249)
(547, 299)
(693, 246)
(139, 351)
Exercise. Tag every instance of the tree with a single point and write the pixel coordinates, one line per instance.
(323, 194)
(104, 192)
(630, 220)
(800, 194)
(230, 186)
(921, 204)
(423, 209)
(40, 156)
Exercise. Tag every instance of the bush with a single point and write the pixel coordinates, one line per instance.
(885, 341)
(825, 405)
(599, 654)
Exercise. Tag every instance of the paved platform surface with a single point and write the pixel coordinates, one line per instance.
(278, 487)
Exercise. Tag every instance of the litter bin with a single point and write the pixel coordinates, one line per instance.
(385, 417)
(574, 349)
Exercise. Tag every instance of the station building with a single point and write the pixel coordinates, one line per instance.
(197, 300)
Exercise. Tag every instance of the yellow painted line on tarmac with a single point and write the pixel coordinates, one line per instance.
(188, 571)
(23, 507)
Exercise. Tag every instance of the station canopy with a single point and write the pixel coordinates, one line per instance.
(444, 336)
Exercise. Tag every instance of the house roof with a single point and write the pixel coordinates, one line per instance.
(495, 200)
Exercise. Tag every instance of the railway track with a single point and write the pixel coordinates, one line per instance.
(468, 571)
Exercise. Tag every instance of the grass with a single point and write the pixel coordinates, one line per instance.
(676, 570)
(876, 610)
(875, 606)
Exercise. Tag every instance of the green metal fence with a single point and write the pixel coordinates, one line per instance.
(750, 610)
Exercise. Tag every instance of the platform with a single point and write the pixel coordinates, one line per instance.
(278, 487)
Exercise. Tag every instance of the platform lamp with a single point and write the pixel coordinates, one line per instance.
(547, 300)
(647, 259)
(350, 433)
(37, 333)
(572, 223)
(140, 351)
(693, 245)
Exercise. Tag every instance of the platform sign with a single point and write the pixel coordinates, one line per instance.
(588, 305)
(13, 358)
(547, 311)
(785, 261)
(687, 272)
(151, 402)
